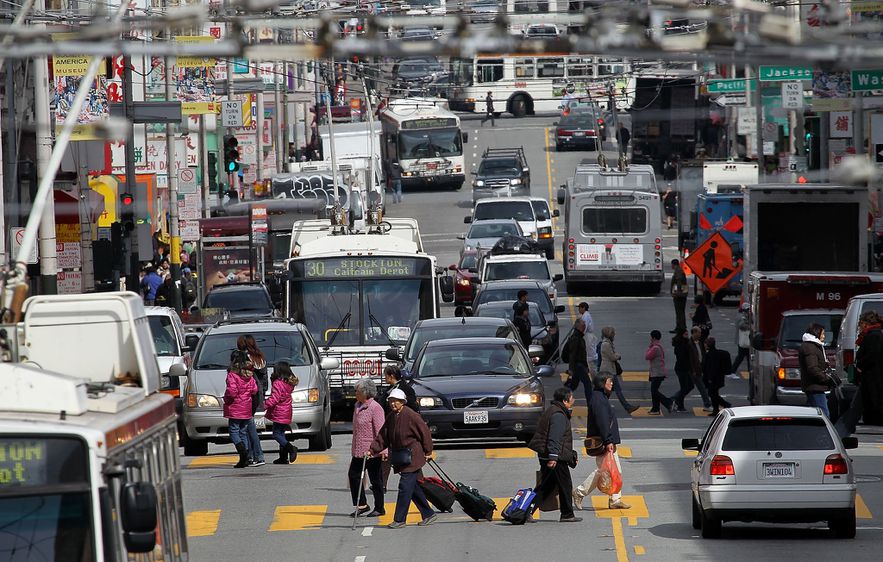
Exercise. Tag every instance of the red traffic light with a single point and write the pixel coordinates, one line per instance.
(126, 199)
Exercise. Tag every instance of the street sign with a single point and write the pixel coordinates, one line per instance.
(16, 235)
(723, 86)
(259, 225)
(231, 113)
(782, 73)
(186, 180)
(713, 262)
(792, 95)
(865, 80)
(730, 100)
(746, 123)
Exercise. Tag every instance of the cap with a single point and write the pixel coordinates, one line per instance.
(398, 394)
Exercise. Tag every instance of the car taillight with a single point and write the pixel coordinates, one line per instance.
(723, 466)
(848, 357)
(836, 464)
(563, 133)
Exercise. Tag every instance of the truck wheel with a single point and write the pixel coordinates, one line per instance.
(519, 106)
(193, 447)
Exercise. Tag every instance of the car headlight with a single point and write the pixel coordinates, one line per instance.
(525, 399)
(202, 401)
(306, 396)
(788, 373)
(516, 181)
(429, 401)
(479, 183)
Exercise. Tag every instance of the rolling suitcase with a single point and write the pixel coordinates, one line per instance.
(438, 492)
(519, 507)
(471, 501)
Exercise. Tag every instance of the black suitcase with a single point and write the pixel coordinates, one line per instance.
(438, 492)
(471, 501)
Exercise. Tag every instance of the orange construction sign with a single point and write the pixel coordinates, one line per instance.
(713, 263)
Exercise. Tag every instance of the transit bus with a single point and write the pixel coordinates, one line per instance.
(613, 227)
(422, 144)
(359, 294)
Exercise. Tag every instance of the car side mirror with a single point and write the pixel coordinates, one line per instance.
(465, 136)
(545, 370)
(178, 370)
(191, 341)
(850, 442)
(329, 363)
(556, 213)
(557, 277)
(467, 220)
(559, 309)
(393, 354)
(526, 170)
(690, 444)
(446, 285)
(138, 516)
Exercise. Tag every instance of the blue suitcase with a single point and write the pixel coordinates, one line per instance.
(520, 506)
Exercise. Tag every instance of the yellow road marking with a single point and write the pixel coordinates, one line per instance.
(571, 309)
(744, 374)
(699, 412)
(691, 453)
(298, 517)
(315, 459)
(861, 508)
(639, 550)
(624, 451)
(413, 514)
(638, 507)
(215, 460)
(622, 554)
(203, 523)
(580, 411)
(549, 173)
(513, 453)
(642, 412)
(635, 376)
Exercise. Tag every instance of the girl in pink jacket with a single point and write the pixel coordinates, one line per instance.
(279, 410)
(237, 403)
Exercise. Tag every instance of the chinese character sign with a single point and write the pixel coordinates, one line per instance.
(841, 124)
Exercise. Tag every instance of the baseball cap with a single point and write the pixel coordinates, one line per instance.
(398, 394)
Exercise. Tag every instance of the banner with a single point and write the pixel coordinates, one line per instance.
(226, 265)
(195, 80)
(67, 73)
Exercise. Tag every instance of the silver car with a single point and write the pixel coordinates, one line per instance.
(278, 339)
(781, 464)
(484, 234)
(171, 344)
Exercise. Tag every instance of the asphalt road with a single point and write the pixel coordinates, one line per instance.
(300, 511)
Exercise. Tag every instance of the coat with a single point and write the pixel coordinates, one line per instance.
(602, 421)
(237, 396)
(576, 351)
(697, 357)
(683, 363)
(405, 430)
(368, 419)
(869, 362)
(656, 356)
(716, 367)
(410, 396)
(278, 405)
(608, 357)
(813, 367)
(553, 438)
(679, 284)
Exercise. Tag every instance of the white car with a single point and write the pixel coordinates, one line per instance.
(515, 208)
(171, 344)
(533, 267)
(780, 464)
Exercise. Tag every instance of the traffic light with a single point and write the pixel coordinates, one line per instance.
(127, 211)
(231, 154)
(212, 171)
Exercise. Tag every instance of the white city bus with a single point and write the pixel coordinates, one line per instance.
(360, 294)
(525, 84)
(613, 227)
(422, 143)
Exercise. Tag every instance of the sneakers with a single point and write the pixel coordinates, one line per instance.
(428, 521)
(396, 525)
(734, 376)
(577, 500)
(618, 504)
(571, 519)
(632, 409)
(654, 413)
(376, 513)
(257, 463)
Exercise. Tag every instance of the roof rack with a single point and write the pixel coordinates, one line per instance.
(513, 151)
(254, 320)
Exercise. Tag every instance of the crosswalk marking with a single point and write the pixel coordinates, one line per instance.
(638, 507)
(861, 508)
(390, 507)
(642, 412)
(298, 517)
(624, 451)
(510, 453)
(635, 376)
(699, 412)
(315, 459)
(229, 460)
(691, 453)
(203, 523)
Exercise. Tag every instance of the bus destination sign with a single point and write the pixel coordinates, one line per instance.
(429, 123)
(40, 461)
(359, 267)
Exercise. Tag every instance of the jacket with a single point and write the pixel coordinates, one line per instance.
(523, 325)
(602, 421)
(609, 357)
(489, 104)
(368, 419)
(679, 284)
(576, 351)
(237, 396)
(700, 315)
(278, 405)
(410, 396)
(716, 367)
(553, 439)
(697, 357)
(743, 332)
(869, 363)
(813, 365)
(683, 362)
(405, 430)
(656, 356)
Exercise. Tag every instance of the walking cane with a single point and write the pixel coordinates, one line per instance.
(361, 490)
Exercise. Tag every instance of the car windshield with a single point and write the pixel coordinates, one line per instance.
(576, 121)
(517, 210)
(517, 270)
(468, 261)
(164, 339)
(498, 167)
(535, 294)
(445, 361)
(430, 144)
(215, 349)
(239, 300)
(793, 328)
(425, 335)
(778, 434)
(506, 311)
(493, 230)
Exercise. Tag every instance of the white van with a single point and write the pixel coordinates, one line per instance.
(857, 306)
(516, 208)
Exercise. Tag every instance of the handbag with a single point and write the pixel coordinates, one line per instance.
(594, 446)
(400, 457)
(618, 369)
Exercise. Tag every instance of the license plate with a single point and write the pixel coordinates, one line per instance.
(480, 416)
(431, 166)
(579, 134)
(260, 422)
(778, 470)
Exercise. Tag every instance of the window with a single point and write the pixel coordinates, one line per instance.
(524, 68)
(422, 336)
(215, 350)
(541, 210)
(612, 220)
(493, 230)
(490, 70)
(533, 295)
(579, 67)
(517, 210)
(434, 143)
(164, 339)
(506, 360)
(500, 271)
(550, 68)
(778, 434)
(531, 6)
(793, 328)
(462, 71)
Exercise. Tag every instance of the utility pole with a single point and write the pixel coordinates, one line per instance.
(279, 123)
(260, 132)
(132, 264)
(87, 263)
(172, 174)
(43, 118)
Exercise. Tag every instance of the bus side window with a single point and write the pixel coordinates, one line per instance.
(490, 70)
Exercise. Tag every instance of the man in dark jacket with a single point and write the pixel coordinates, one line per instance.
(577, 359)
(868, 400)
(553, 443)
(623, 136)
(814, 379)
(522, 322)
(679, 293)
(716, 367)
(697, 359)
(602, 423)
(488, 109)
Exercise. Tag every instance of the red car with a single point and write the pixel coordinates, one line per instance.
(465, 277)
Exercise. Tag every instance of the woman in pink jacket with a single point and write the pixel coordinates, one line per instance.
(656, 356)
(368, 418)
(237, 403)
(279, 410)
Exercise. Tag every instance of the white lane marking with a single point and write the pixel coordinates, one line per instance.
(366, 532)
(359, 559)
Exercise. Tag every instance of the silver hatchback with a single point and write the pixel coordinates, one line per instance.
(781, 464)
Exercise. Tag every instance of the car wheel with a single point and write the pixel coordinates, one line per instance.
(322, 440)
(519, 106)
(711, 526)
(844, 527)
(550, 253)
(194, 448)
(697, 515)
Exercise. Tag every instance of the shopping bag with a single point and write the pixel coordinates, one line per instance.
(609, 477)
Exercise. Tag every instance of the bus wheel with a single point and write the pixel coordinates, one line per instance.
(519, 106)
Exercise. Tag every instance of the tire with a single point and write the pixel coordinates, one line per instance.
(322, 440)
(697, 515)
(711, 527)
(844, 527)
(518, 106)
(194, 447)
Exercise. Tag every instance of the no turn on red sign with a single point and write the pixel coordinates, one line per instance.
(16, 235)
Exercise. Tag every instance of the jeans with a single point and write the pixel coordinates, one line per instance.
(554, 480)
(658, 397)
(742, 354)
(254, 442)
(396, 191)
(819, 400)
(238, 431)
(408, 491)
(279, 433)
(591, 482)
(848, 420)
(580, 374)
(617, 388)
(703, 390)
(372, 466)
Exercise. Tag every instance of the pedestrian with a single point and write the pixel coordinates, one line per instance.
(623, 136)
(278, 410)
(150, 283)
(237, 404)
(700, 316)
(670, 204)
(743, 341)
(868, 400)
(520, 299)
(577, 359)
(655, 354)
(814, 379)
(188, 288)
(392, 374)
(553, 444)
(396, 184)
(681, 345)
(164, 294)
(697, 363)
(591, 339)
(602, 423)
(522, 323)
(407, 438)
(715, 368)
(489, 109)
(610, 365)
(679, 293)
(247, 344)
(368, 419)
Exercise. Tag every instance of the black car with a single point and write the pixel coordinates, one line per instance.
(503, 172)
(241, 300)
(479, 387)
(417, 70)
(433, 329)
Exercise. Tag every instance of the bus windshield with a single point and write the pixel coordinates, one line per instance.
(600, 220)
(429, 143)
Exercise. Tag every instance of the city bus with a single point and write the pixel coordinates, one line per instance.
(422, 144)
(613, 227)
(525, 84)
(361, 293)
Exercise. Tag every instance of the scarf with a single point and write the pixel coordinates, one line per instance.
(861, 336)
(811, 338)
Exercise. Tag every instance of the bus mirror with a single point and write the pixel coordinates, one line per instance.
(393, 354)
(562, 193)
(557, 277)
(138, 516)
(465, 137)
(556, 213)
(446, 284)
